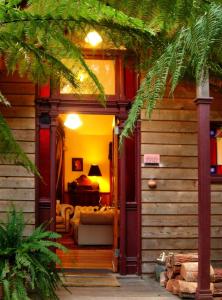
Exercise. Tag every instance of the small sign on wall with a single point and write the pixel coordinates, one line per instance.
(151, 159)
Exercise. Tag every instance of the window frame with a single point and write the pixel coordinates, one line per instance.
(215, 178)
(117, 56)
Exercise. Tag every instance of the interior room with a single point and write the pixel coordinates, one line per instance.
(86, 205)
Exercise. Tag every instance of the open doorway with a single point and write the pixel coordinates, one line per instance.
(87, 207)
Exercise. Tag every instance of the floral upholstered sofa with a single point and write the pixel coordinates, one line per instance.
(92, 225)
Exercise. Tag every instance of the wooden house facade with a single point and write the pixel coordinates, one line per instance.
(170, 211)
(164, 218)
(16, 184)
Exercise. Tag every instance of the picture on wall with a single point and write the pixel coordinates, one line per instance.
(77, 164)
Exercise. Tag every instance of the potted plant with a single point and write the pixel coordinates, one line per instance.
(27, 264)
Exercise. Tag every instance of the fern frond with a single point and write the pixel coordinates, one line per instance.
(29, 264)
(191, 49)
(4, 100)
(33, 40)
(41, 233)
(9, 148)
(6, 289)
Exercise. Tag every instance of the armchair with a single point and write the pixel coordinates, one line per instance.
(63, 213)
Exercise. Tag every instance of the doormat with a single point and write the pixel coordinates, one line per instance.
(90, 280)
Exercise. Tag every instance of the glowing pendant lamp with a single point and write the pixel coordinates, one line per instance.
(73, 121)
(93, 38)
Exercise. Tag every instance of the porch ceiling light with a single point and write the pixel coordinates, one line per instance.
(73, 121)
(93, 38)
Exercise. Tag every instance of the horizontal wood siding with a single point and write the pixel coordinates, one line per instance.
(17, 185)
(169, 212)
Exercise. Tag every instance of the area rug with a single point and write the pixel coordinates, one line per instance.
(90, 280)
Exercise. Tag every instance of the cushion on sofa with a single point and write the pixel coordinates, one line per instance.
(79, 209)
(96, 218)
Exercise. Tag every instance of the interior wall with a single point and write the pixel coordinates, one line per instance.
(93, 148)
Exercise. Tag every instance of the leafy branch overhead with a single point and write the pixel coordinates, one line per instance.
(181, 36)
(192, 50)
(35, 39)
(36, 34)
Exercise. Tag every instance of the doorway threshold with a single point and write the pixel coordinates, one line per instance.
(85, 259)
(86, 271)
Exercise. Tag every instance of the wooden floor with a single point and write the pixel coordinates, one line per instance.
(86, 259)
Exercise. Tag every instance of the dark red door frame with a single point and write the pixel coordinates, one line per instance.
(138, 193)
(54, 116)
(42, 160)
(49, 105)
(52, 108)
(130, 205)
(122, 196)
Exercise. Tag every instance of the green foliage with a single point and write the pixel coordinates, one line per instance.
(27, 263)
(34, 39)
(193, 49)
(10, 149)
(180, 36)
(4, 100)
(163, 15)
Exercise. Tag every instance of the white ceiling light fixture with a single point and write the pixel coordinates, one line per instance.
(73, 121)
(93, 38)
